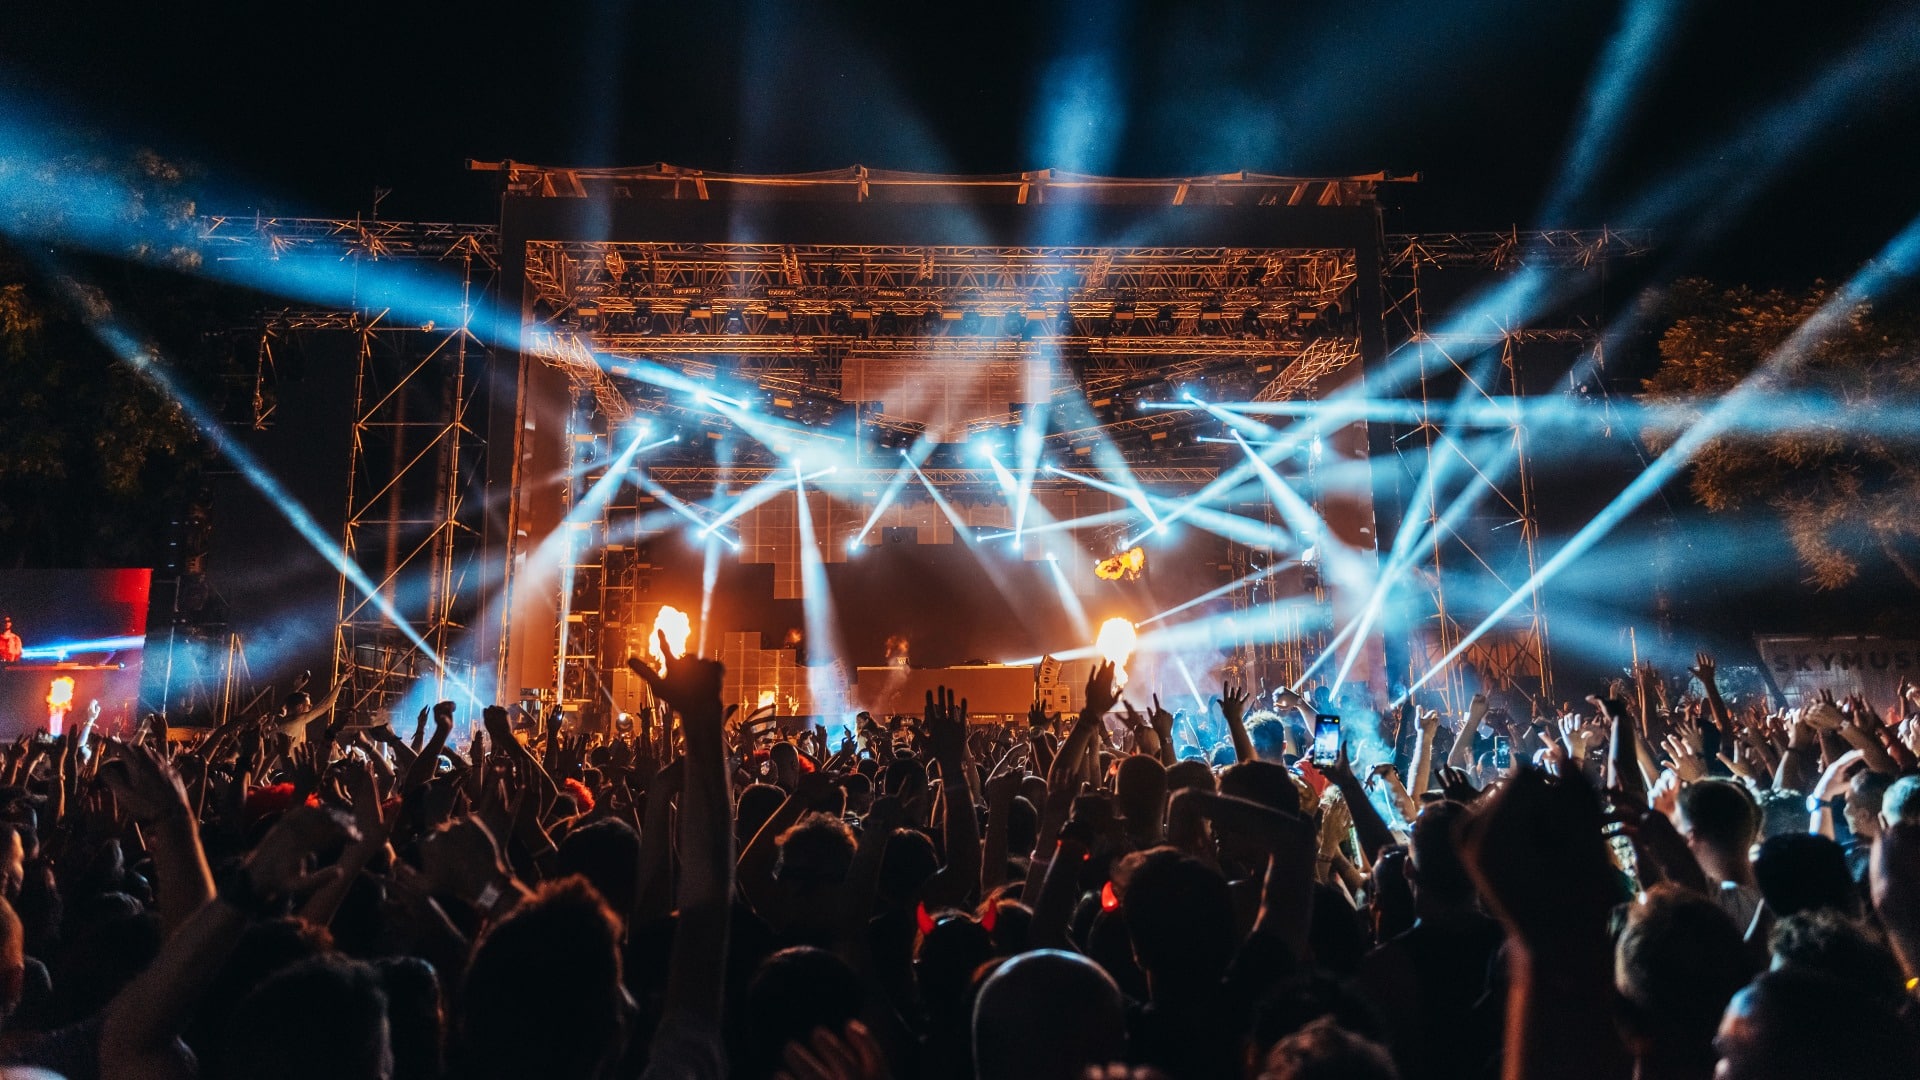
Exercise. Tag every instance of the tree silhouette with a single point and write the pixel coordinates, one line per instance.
(1829, 447)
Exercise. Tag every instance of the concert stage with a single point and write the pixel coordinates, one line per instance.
(820, 414)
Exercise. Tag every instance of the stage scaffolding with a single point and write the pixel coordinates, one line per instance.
(1479, 538)
(413, 519)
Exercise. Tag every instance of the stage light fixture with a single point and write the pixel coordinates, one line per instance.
(1163, 320)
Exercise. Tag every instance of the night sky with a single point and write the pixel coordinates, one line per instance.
(307, 109)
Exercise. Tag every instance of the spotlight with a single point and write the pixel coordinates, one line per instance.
(1163, 320)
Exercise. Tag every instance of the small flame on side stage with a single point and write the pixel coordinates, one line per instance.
(59, 703)
(1115, 644)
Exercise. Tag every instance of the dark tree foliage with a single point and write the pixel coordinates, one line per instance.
(1829, 445)
(95, 461)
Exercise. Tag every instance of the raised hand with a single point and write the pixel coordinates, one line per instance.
(277, 866)
(1687, 732)
(1003, 787)
(306, 761)
(1340, 770)
(1100, 690)
(1476, 711)
(946, 725)
(145, 784)
(1457, 787)
(363, 790)
(1233, 702)
(1703, 668)
(689, 683)
(1740, 761)
(1824, 714)
(853, 1054)
(1162, 722)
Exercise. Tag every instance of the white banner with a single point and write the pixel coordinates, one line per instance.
(1869, 666)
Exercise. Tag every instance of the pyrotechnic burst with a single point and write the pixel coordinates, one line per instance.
(1125, 566)
(1115, 644)
(676, 626)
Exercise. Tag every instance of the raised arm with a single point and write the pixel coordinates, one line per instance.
(1537, 855)
(1429, 722)
(1372, 829)
(947, 733)
(420, 769)
(1002, 789)
(1233, 706)
(151, 791)
(697, 968)
(1162, 721)
(1461, 756)
(144, 1020)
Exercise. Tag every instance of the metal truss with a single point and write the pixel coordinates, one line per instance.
(710, 477)
(1492, 551)
(1503, 250)
(412, 517)
(1111, 321)
(238, 236)
(911, 281)
(859, 183)
(232, 237)
(411, 522)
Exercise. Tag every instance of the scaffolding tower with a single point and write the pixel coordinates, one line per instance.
(1470, 509)
(413, 522)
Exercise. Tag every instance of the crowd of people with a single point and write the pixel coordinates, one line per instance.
(1659, 884)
